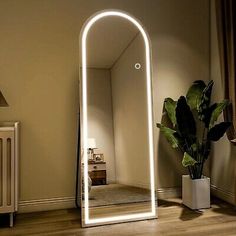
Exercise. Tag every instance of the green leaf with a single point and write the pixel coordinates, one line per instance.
(170, 106)
(185, 120)
(194, 94)
(216, 132)
(169, 134)
(217, 111)
(181, 142)
(194, 147)
(207, 114)
(205, 100)
(188, 160)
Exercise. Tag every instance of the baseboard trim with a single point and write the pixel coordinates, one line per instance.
(69, 202)
(165, 193)
(223, 194)
(46, 204)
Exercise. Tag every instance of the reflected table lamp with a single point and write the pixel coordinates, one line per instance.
(91, 146)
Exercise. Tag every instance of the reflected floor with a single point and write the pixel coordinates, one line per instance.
(118, 210)
(115, 194)
(118, 199)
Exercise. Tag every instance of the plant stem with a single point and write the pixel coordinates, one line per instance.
(203, 135)
(202, 164)
(203, 144)
(190, 172)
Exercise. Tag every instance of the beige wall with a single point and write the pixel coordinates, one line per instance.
(100, 117)
(180, 43)
(129, 99)
(39, 72)
(223, 157)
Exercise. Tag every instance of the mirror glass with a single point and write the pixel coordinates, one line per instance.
(117, 158)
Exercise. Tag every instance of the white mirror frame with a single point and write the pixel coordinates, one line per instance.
(122, 218)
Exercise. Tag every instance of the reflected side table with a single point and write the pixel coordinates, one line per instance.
(97, 172)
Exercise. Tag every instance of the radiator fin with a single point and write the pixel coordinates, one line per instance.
(9, 169)
(1, 173)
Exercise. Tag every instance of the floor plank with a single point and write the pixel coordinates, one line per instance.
(173, 220)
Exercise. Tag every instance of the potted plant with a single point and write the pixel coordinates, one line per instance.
(192, 129)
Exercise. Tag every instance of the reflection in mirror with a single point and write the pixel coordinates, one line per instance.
(117, 166)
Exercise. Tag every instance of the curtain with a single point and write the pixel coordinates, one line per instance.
(226, 29)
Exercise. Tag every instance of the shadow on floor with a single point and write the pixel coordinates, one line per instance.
(168, 203)
(222, 207)
(225, 211)
(217, 206)
(4, 220)
(186, 213)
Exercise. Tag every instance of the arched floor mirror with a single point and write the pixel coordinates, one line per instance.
(117, 154)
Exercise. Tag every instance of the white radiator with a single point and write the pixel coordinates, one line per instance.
(9, 150)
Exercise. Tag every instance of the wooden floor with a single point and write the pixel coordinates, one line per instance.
(174, 220)
(119, 209)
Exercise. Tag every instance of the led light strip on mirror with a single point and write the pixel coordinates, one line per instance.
(152, 213)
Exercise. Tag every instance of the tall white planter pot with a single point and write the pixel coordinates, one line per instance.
(196, 193)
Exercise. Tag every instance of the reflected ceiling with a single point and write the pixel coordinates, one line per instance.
(116, 31)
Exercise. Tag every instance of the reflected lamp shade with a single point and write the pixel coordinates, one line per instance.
(3, 102)
(91, 143)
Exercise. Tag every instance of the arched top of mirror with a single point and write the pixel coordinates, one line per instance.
(123, 28)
